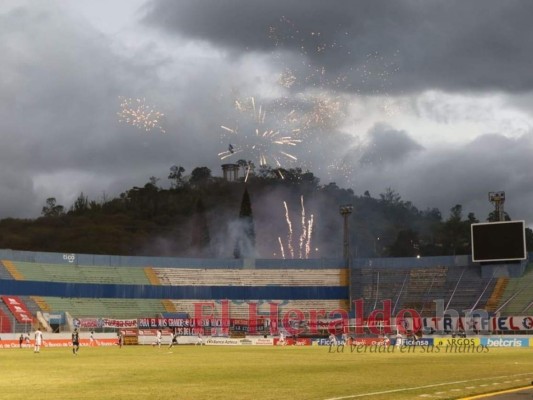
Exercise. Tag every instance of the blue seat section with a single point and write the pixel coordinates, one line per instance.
(59, 289)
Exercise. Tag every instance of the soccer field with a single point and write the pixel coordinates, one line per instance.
(241, 372)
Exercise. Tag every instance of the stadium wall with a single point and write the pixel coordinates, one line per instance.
(175, 262)
(85, 290)
(168, 262)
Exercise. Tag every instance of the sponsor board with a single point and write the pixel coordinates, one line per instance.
(378, 342)
(222, 342)
(294, 342)
(353, 342)
(457, 342)
(501, 341)
(91, 323)
(418, 342)
(14, 344)
(262, 341)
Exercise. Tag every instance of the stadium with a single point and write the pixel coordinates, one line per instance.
(460, 312)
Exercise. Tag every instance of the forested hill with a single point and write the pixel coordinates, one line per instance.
(199, 216)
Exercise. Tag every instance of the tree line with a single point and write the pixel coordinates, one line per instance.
(200, 215)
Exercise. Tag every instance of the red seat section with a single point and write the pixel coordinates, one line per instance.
(18, 308)
(5, 323)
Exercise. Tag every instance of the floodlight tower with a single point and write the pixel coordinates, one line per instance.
(498, 198)
(345, 211)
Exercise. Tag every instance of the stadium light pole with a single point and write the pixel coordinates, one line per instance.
(498, 199)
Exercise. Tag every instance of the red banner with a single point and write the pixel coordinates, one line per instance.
(18, 308)
(14, 344)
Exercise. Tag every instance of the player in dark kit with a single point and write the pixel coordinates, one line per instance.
(75, 341)
(174, 340)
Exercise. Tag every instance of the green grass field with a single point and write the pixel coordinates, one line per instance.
(255, 372)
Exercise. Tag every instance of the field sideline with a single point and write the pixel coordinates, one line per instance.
(256, 372)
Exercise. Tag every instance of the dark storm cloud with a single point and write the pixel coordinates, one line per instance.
(378, 45)
(462, 175)
(387, 145)
(60, 83)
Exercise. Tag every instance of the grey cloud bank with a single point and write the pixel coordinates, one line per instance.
(61, 80)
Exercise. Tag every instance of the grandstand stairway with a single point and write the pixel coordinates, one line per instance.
(517, 298)
(496, 296)
(4, 272)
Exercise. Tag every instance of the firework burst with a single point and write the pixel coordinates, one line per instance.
(137, 113)
(253, 137)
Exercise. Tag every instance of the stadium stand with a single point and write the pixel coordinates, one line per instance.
(458, 287)
(251, 277)
(141, 287)
(108, 308)
(240, 309)
(42, 272)
(517, 298)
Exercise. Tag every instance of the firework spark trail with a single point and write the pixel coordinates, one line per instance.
(305, 236)
(138, 114)
(281, 248)
(289, 224)
(248, 169)
(304, 230)
(309, 234)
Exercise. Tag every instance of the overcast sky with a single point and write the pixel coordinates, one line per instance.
(431, 98)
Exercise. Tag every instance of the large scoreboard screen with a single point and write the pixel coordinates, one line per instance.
(498, 241)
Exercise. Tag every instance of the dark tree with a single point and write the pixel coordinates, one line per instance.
(200, 176)
(200, 231)
(245, 240)
(455, 233)
(52, 209)
(406, 244)
(81, 204)
(529, 239)
(495, 217)
(176, 176)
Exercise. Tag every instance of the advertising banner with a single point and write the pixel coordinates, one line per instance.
(502, 341)
(457, 342)
(14, 344)
(213, 341)
(104, 323)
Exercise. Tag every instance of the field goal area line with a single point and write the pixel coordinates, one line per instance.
(354, 396)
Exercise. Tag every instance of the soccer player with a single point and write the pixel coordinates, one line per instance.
(199, 340)
(281, 341)
(91, 339)
(174, 340)
(120, 339)
(344, 338)
(332, 340)
(159, 337)
(38, 341)
(75, 341)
